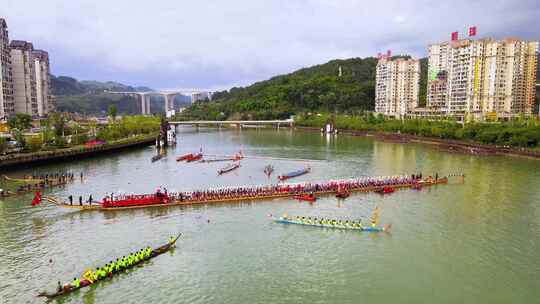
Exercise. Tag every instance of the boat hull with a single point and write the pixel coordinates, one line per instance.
(293, 174)
(194, 158)
(306, 198)
(184, 157)
(343, 195)
(228, 169)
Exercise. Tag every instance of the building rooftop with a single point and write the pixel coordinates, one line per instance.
(467, 41)
(40, 54)
(21, 44)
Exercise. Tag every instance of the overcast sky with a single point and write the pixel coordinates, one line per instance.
(218, 44)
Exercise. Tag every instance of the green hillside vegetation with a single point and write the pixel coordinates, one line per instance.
(87, 97)
(96, 104)
(315, 88)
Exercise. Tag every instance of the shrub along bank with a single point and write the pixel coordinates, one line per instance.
(515, 133)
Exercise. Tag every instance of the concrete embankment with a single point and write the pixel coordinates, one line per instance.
(448, 145)
(21, 159)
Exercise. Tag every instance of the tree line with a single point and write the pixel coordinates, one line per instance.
(518, 132)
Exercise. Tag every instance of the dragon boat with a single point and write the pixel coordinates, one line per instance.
(67, 288)
(294, 174)
(335, 224)
(239, 194)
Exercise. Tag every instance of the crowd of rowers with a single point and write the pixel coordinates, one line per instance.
(47, 180)
(61, 176)
(162, 196)
(329, 222)
(287, 189)
(110, 268)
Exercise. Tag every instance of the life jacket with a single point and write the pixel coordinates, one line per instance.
(76, 283)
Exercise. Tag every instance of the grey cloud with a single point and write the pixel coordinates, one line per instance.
(168, 43)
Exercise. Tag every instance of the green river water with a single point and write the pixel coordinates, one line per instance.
(472, 242)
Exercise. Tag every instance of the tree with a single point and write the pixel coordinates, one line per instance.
(33, 144)
(20, 122)
(46, 130)
(3, 145)
(19, 137)
(113, 111)
(59, 123)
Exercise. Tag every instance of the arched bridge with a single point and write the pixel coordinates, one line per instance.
(144, 97)
(278, 123)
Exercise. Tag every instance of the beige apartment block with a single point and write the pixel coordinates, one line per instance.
(396, 86)
(43, 81)
(7, 104)
(486, 78)
(438, 91)
(24, 77)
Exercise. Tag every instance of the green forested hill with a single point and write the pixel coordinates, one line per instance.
(87, 97)
(315, 88)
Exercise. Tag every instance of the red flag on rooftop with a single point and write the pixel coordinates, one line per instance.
(454, 36)
(472, 31)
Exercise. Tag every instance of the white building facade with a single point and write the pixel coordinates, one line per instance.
(485, 78)
(7, 105)
(396, 86)
(43, 82)
(24, 77)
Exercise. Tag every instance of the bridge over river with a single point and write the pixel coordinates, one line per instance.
(278, 123)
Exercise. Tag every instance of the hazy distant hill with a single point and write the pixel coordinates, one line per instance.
(87, 97)
(64, 85)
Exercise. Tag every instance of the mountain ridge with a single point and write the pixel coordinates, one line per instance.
(65, 85)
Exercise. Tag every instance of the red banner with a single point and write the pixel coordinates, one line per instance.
(454, 36)
(472, 31)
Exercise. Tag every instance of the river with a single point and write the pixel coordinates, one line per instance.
(472, 242)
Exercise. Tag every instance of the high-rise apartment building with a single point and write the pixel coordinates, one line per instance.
(438, 91)
(24, 77)
(43, 81)
(7, 106)
(484, 78)
(396, 86)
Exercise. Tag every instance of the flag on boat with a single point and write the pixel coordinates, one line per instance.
(37, 198)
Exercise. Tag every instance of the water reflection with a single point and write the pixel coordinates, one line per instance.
(480, 236)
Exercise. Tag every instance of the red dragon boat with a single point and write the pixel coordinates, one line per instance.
(385, 190)
(194, 157)
(306, 197)
(136, 200)
(184, 157)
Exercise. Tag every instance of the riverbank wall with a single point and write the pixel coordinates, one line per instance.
(22, 159)
(447, 145)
